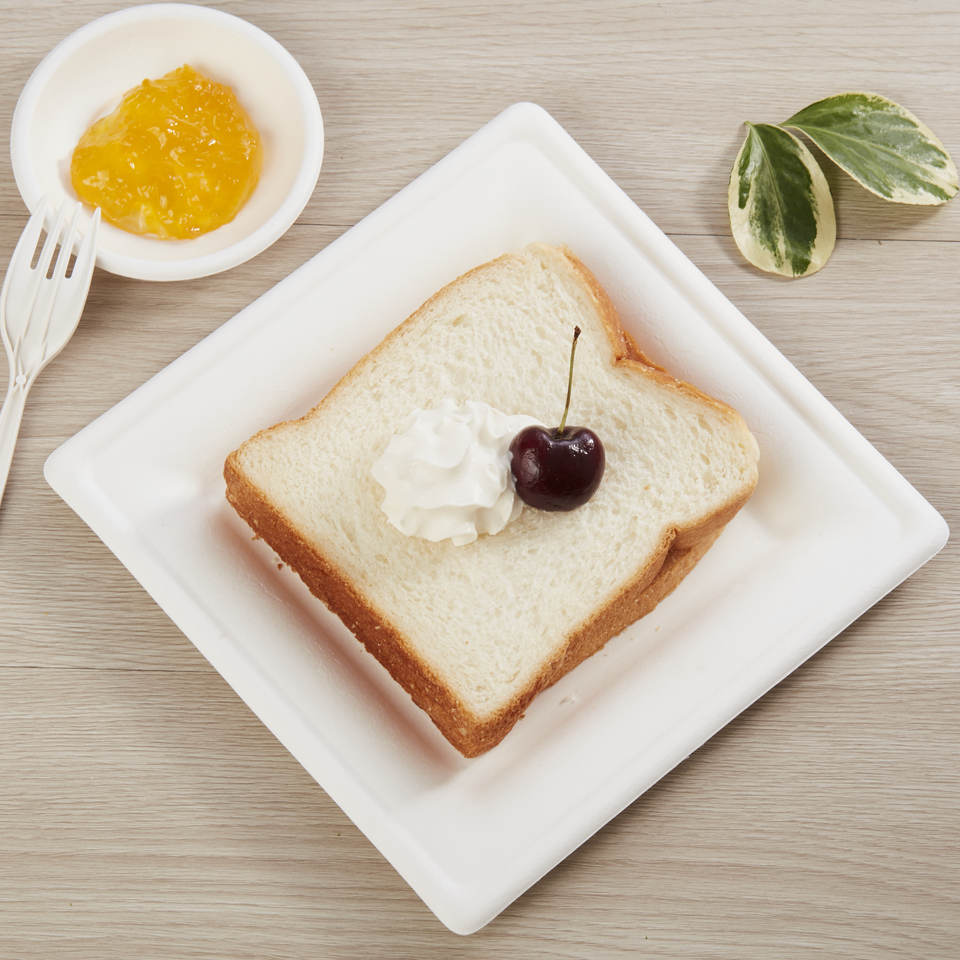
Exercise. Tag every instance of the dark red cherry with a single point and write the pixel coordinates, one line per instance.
(557, 469)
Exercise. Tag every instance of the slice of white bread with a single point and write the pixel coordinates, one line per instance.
(474, 632)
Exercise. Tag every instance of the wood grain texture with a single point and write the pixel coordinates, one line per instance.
(144, 811)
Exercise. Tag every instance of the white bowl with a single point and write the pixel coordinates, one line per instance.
(84, 77)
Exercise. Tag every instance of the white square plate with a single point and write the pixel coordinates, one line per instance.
(830, 519)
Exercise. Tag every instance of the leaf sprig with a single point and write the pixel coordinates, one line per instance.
(781, 209)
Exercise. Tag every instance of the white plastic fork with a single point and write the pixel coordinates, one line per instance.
(38, 314)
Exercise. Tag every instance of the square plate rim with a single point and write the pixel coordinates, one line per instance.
(468, 909)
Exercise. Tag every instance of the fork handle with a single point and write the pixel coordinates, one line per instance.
(10, 417)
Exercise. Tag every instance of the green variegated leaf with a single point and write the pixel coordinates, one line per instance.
(882, 146)
(781, 211)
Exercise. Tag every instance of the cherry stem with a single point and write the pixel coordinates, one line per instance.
(566, 408)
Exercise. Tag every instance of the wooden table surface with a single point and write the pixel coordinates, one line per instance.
(145, 812)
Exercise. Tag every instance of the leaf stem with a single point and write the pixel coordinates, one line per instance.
(566, 408)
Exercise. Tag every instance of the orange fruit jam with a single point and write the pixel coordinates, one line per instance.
(178, 158)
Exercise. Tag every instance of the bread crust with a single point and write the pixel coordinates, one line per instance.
(679, 551)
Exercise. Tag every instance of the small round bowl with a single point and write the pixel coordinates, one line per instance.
(84, 77)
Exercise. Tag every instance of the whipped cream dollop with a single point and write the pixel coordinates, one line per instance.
(446, 474)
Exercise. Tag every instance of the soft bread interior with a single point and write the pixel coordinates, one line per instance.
(485, 617)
